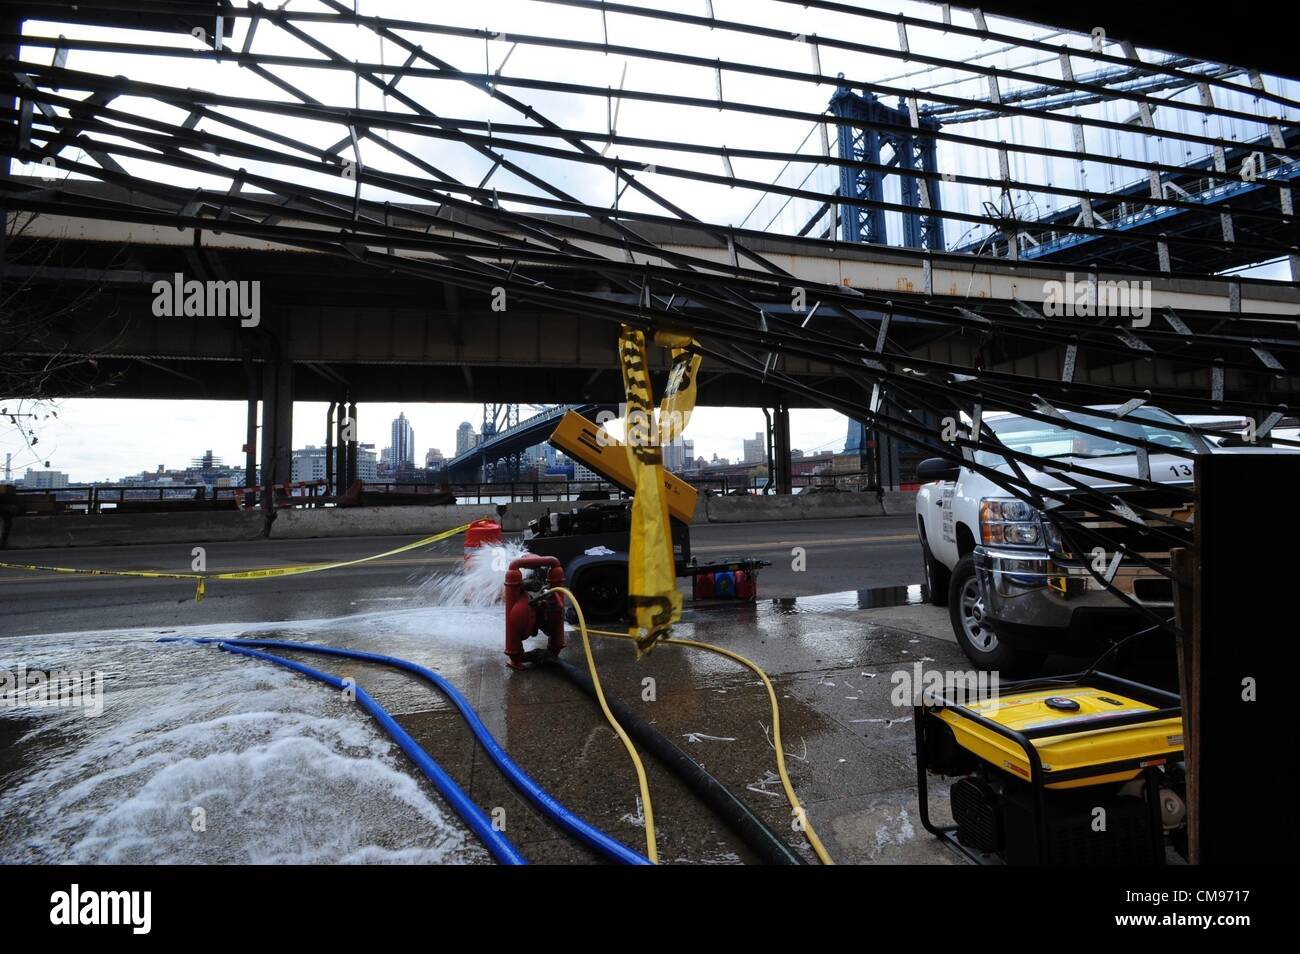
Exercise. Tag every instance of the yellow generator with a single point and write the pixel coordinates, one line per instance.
(1075, 770)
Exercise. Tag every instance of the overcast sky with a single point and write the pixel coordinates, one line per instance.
(102, 439)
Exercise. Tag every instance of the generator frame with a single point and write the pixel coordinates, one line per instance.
(1167, 706)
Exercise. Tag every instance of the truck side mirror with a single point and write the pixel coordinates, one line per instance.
(936, 468)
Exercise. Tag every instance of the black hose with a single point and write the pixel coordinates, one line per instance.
(735, 814)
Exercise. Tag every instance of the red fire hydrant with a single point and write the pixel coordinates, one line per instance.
(530, 609)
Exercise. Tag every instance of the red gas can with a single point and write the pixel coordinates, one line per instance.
(479, 533)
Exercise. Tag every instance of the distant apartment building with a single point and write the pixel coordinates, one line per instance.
(809, 464)
(401, 447)
(672, 457)
(755, 451)
(537, 456)
(367, 462)
(466, 437)
(309, 463)
(44, 479)
(212, 472)
(679, 455)
(434, 458)
(154, 478)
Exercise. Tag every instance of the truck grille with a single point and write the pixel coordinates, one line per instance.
(1169, 503)
(1138, 581)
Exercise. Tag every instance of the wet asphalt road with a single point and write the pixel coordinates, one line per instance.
(838, 555)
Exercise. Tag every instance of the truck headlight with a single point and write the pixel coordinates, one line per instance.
(1009, 522)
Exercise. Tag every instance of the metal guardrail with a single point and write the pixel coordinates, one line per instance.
(110, 498)
(531, 491)
(94, 498)
(731, 483)
(723, 484)
(89, 499)
(301, 493)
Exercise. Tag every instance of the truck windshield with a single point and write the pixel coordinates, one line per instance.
(1058, 439)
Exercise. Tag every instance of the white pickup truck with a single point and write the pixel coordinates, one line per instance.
(1013, 594)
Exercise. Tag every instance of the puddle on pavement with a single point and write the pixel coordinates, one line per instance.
(874, 598)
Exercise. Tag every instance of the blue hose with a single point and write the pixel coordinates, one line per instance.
(584, 832)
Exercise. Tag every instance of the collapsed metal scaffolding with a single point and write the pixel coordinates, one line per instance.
(376, 184)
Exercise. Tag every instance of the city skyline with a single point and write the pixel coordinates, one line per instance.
(103, 440)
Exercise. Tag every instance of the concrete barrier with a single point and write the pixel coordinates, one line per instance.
(395, 521)
(107, 529)
(900, 502)
(750, 508)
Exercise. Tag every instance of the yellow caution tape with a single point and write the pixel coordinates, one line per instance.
(149, 574)
(679, 395)
(318, 567)
(201, 579)
(652, 575)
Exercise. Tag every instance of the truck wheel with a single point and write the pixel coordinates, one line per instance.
(974, 634)
(937, 576)
(602, 591)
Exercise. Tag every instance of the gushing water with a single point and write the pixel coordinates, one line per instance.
(481, 582)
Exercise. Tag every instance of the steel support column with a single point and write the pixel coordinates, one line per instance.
(331, 486)
(351, 438)
(250, 426)
(340, 450)
(277, 426)
(769, 456)
(780, 470)
(884, 453)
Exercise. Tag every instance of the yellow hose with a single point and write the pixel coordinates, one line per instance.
(651, 850)
(799, 812)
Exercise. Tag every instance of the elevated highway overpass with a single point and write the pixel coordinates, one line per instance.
(339, 330)
(389, 337)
